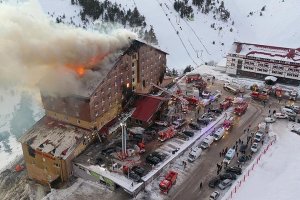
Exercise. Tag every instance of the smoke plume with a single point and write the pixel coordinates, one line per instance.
(34, 50)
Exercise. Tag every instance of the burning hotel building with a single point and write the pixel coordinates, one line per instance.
(71, 123)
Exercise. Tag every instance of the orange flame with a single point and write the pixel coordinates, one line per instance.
(80, 69)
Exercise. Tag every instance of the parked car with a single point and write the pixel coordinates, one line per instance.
(295, 108)
(138, 170)
(288, 111)
(280, 115)
(225, 184)
(215, 195)
(243, 148)
(216, 110)
(194, 126)
(214, 182)
(242, 159)
(183, 136)
(258, 137)
(189, 133)
(179, 123)
(134, 177)
(297, 131)
(152, 160)
(270, 119)
(203, 121)
(159, 155)
(231, 176)
(234, 169)
(254, 147)
(208, 115)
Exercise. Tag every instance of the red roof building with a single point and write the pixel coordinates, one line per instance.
(146, 110)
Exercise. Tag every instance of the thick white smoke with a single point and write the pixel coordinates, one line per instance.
(32, 47)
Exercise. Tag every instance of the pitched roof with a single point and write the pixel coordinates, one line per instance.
(53, 137)
(146, 107)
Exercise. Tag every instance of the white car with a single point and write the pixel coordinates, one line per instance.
(215, 195)
(254, 147)
(280, 115)
(270, 119)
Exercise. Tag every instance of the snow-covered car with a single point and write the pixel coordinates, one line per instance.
(254, 147)
(270, 119)
(296, 130)
(288, 111)
(215, 195)
(280, 115)
(225, 184)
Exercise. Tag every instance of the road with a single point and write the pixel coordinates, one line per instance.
(190, 188)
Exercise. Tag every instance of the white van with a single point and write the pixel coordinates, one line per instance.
(229, 156)
(194, 154)
(288, 111)
(258, 136)
(219, 133)
(207, 142)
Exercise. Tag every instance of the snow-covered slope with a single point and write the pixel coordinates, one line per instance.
(276, 26)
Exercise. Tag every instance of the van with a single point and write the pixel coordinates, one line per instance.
(219, 133)
(229, 156)
(288, 111)
(258, 136)
(207, 142)
(194, 154)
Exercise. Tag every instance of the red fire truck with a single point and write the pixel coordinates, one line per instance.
(260, 96)
(166, 184)
(228, 123)
(193, 78)
(192, 100)
(166, 133)
(241, 108)
(226, 103)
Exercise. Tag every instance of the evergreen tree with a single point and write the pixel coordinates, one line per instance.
(187, 69)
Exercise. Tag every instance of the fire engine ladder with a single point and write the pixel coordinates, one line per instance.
(183, 100)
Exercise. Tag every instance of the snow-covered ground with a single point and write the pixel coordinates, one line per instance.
(277, 175)
(19, 110)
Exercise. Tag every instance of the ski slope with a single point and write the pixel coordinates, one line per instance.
(193, 45)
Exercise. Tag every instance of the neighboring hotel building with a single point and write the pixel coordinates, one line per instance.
(72, 123)
(259, 61)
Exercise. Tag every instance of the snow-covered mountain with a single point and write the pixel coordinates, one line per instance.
(195, 41)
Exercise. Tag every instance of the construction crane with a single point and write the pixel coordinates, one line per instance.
(184, 102)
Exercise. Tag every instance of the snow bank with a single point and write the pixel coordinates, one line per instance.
(277, 176)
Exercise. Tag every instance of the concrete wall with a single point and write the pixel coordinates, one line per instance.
(82, 172)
